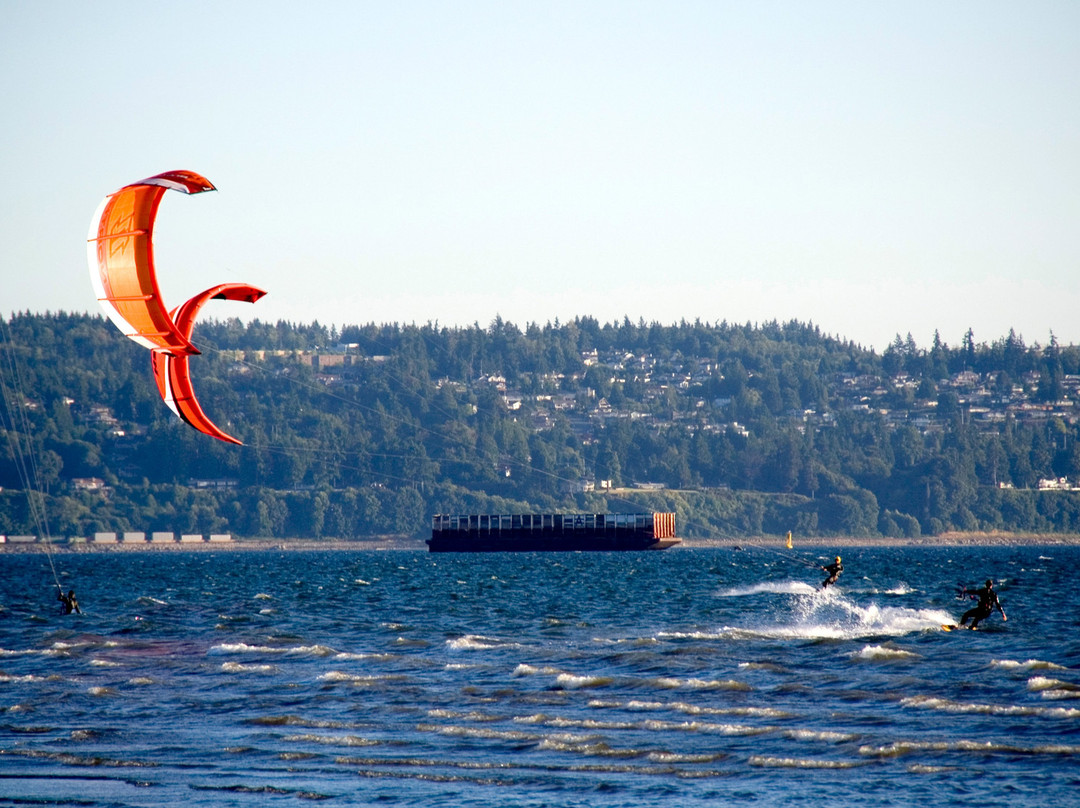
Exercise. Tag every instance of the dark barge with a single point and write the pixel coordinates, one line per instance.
(496, 533)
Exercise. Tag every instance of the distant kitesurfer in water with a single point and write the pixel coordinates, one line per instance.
(988, 601)
(834, 569)
(69, 603)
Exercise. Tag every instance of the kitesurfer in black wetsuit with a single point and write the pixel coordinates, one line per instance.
(988, 601)
(69, 603)
(834, 571)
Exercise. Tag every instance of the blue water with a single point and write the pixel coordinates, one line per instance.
(687, 677)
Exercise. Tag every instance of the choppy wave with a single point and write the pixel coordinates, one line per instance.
(840, 618)
(359, 678)
(345, 656)
(472, 715)
(878, 653)
(899, 748)
(237, 667)
(525, 669)
(951, 706)
(1053, 689)
(770, 588)
(477, 642)
(577, 679)
(802, 763)
(331, 740)
(826, 736)
(1031, 664)
(580, 723)
(298, 650)
(70, 759)
(575, 682)
(688, 708)
(672, 683)
(6, 678)
(1046, 683)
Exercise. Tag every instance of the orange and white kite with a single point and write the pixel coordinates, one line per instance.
(121, 256)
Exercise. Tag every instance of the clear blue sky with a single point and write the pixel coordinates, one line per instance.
(875, 168)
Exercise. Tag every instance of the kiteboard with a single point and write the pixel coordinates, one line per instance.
(950, 627)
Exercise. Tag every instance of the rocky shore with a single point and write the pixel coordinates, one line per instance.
(237, 545)
(952, 539)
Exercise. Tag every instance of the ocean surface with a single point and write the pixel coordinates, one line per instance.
(685, 677)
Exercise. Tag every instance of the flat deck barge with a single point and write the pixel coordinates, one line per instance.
(531, 532)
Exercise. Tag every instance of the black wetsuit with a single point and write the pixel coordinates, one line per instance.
(834, 571)
(69, 603)
(988, 601)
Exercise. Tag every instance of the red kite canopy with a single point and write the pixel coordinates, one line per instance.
(121, 256)
(171, 370)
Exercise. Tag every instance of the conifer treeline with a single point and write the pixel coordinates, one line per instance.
(750, 428)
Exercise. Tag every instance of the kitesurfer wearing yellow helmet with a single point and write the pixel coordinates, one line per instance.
(834, 571)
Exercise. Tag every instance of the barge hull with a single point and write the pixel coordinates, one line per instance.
(502, 533)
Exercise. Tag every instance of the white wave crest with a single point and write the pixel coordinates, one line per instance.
(593, 748)
(835, 616)
(689, 709)
(801, 763)
(1053, 689)
(10, 679)
(900, 589)
(357, 678)
(571, 681)
(900, 748)
(1038, 683)
(478, 732)
(705, 727)
(671, 683)
(770, 588)
(1031, 664)
(874, 653)
(524, 669)
(237, 667)
(332, 740)
(345, 656)
(477, 642)
(818, 735)
(675, 757)
(244, 648)
(949, 706)
(1057, 694)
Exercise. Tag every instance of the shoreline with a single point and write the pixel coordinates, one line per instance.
(953, 539)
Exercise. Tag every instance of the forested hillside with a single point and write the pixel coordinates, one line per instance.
(741, 429)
